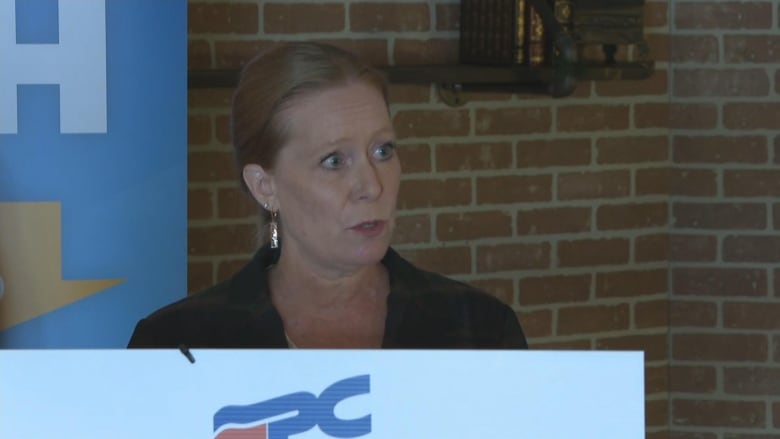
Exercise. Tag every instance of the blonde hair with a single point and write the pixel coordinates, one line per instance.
(273, 80)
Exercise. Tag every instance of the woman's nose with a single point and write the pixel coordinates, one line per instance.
(368, 183)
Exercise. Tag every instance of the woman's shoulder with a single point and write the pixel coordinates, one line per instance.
(215, 317)
(435, 286)
(442, 312)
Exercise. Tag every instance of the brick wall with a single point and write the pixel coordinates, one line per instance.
(725, 246)
(631, 215)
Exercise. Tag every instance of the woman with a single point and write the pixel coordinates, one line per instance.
(316, 147)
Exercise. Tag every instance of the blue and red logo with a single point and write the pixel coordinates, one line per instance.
(280, 417)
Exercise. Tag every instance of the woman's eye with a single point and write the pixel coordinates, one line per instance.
(384, 151)
(332, 161)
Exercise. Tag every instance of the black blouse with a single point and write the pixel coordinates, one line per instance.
(424, 311)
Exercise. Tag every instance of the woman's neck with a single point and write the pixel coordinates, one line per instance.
(323, 310)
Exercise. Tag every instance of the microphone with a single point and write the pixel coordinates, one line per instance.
(186, 352)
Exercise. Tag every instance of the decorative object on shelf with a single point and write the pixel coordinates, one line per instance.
(524, 46)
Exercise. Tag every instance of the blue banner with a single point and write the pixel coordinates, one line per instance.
(93, 182)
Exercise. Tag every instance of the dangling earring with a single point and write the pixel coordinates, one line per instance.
(274, 229)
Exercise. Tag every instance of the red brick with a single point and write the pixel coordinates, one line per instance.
(593, 252)
(654, 115)
(719, 347)
(473, 156)
(777, 138)
(553, 220)
(680, 116)
(234, 203)
(677, 181)
(512, 257)
(723, 15)
(233, 54)
(209, 97)
(719, 282)
(409, 93)
(656, 380)
(384, 17)
(776, 414)
(431, 123)
(657, 412)
(372, 50)
(199, 276)
(776, 216)
(448, 17)
(656, 84)
(720, 149)
(752, 116)
(713, 413)
(631, 283)
(536, 323)
(222, 18)
(652, 314)
(752, 183)
(559, 152)
(228, 268)
(751, 315)
(198, 54)
(210, 167)
(691, 435)
(554, 289)
(660, 46)
(221, 240)
(721, 82)
(198, 129)
(592, 319)
(514, 189)
(475, 97)
(415, 157)
(684, 314)
(513, 120)
(656, 14)
(695, 48)
(502, 289)
(299, 18)
(199, 204)
(654, 346)
(631, 216)
(757, 248)
(568, 345)
(751, 48)
(693, 379)
(591, 185)
(445, 260)
(412, 229)
(724, 216)
(431, 51)
(473, 225)
(593, 117)
(777, 284)
(434, 193)
(693, 248)
(651, 248)
(222, 130)
(626, 150)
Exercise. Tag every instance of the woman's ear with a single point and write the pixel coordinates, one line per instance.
(260, 184)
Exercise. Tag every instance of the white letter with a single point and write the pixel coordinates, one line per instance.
(77, 64)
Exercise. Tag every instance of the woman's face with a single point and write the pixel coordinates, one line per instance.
(335, 181)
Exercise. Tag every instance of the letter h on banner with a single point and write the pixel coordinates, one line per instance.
(77, 64)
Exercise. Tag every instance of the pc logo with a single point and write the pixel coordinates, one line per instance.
(275, 418)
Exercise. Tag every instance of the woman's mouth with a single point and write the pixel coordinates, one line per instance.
(369, 228)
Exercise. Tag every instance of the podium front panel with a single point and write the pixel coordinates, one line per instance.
(276, 394)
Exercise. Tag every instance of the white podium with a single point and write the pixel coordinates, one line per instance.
(275, 394)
